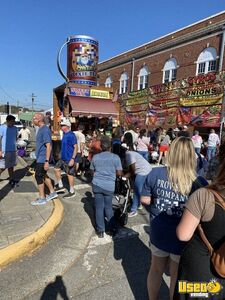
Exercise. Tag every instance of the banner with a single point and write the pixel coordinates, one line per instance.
(194, 100)
(99, 94)
(203, 95)
(201, 101)
(206, 116)
(79, 92)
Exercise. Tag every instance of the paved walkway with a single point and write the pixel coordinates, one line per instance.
(23, 227)
(18, 218)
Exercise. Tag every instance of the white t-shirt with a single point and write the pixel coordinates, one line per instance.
(25, 134)
(197, 141)
(213, 140)
(142, 144)
(80, 140)
(142, 167)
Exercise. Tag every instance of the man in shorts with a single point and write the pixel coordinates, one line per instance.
(8, 137)
(67, 161)
(43, 152)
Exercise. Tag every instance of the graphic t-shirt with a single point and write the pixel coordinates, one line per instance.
(43, 137)
(166, 209)
(105, 165)
(68, 141)
(8, 138)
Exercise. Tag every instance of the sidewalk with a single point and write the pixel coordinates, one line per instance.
(23, 227)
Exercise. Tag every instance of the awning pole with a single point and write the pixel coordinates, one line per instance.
(222, 115)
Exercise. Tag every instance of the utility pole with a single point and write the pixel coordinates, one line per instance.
(32, 99)
(7, 108)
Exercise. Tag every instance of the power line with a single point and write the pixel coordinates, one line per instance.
(7, 94)
(21, 102)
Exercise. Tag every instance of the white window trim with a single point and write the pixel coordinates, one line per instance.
(145, 82)
(206, 67)
(206, 61)
(109, 83)
(144, 72)
(175, 67)
(170, 75)
(123, 83)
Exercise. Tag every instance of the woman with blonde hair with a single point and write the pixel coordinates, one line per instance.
(166, 190)
(195, 263)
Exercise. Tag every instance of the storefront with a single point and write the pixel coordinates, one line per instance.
(84, 105)
(194, 101)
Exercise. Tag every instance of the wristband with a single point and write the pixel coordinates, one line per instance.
(46, 160)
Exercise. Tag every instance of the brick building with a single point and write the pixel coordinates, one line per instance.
(175, 79)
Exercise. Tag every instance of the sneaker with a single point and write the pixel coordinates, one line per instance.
(39, 201)
(112, 232)
(51, 196)
(100, 234)
(140, 207)
(12, 183)
(132, 214)
(59, 189)
(69, 195)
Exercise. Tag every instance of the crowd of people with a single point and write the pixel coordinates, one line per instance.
(180, 189)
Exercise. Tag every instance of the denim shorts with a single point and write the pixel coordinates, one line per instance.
(8, 161)
(160, 253)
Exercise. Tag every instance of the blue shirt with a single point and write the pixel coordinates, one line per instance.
(166, 209)
(68, 141)
(105, 165)
(9, 137)
(43, 137)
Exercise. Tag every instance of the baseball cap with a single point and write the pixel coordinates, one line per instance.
(184, 127)
(65, 122)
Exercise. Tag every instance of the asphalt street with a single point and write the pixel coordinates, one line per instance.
(104, 269)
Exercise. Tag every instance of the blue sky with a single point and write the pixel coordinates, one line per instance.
(32, 31)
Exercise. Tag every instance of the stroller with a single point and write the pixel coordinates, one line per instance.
(21, 148)
(121, 200)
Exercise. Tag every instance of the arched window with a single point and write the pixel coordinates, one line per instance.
(123, 83)
(170, 70)
(108, 82)
(206, 61)
(143, 78)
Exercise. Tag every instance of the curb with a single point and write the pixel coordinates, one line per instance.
(34, 241)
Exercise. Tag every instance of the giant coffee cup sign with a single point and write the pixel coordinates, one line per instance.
(82, 60)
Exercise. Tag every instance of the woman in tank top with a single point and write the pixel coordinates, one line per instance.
(195, 260)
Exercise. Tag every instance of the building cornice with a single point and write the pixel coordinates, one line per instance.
(148, 49)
